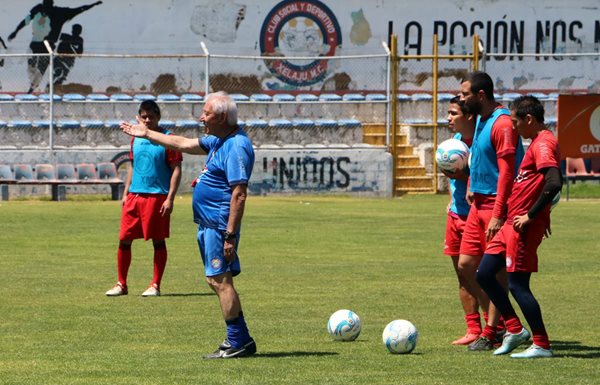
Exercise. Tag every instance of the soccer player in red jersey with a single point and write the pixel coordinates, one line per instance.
(495, 154)
(150, 187)
(514, 247)
(462, 123)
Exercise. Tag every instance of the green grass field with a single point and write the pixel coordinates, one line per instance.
(302, 258)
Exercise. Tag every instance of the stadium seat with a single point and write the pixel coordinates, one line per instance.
(241, 124)
(44, 172)
(415, 121)
(551, 121)
(6, 174)
(114, 124)
(6, 98)
(283, 98)
(97, 98)
(107, 171)
(167, 124)
(348, 123)
(280, 123)
(92, 123)
(73, 98)
(42, 124)
(256, 123)
(192, 98)
(353, 97)
(303, 124)
(403, 97)
(86, 172)
(20, 124)
(445, 97)
(23, 172)
(420, 96)
(510, 96)
(68, 124)
(376, 97)
(239, 97)
(576, 167)
(552, 96)
(142, 97)
(260, 98)
(66, 172)
(307, 98)
(3, 124)
(46, 97)
(26, 98)
(121, 98)
(330, 98)
(540, 95)
(187, 124)
(326, 123)
(167, 98)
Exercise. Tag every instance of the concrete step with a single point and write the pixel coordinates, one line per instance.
(410, 170)
(414, 182)
(408, 160)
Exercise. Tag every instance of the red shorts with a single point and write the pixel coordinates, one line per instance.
(520, 249)
(473, 240)
(455, 226)
(141, 217)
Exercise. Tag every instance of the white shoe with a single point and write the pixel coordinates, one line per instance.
(117, 290)
(152, 291)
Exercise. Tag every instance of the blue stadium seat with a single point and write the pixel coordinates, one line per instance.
(114, 124)
(239, 97)
(97, 98)
(92, 123)
(44, 124)
(46, 97)
(68, 124)
(307, 98)
(187, 124)
(303, 124)
(280, 123)
(403, 97)
(26, 98)
(330, 97)
(23, 172)
(348, 123)
(284, 98)
(107, 171)
(6, 98)
(44, 172)
(420, 97)
(192, 98)
(326, 123)
(376, 97)
(142, 97)
(353, 97)
(553, 96)
(167, 98)
(551, 121)
(86, 172)
(73, 97)
(256, 123)
(445, 97)
(510, 96)
(261, 98)
(3, 124)
(497, 97)
(121, 98)
(167, 124)
(442, 122)
(241, 124)
(65, 172)
(415, 121)
(540, 95)
(6, 173)
(20, 124)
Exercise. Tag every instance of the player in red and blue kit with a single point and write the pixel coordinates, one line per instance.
(514, 247)
(150, 187)
(496, 153)
(218, 203)
(462, 123)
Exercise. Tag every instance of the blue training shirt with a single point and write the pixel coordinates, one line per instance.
(151, 170)
(458, 192)
(229, 162)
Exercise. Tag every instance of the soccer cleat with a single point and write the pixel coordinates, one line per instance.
(466, 339)
(511, 341)
(117, 290)
(481, 344)
(152, 291)
(534, 351)
(225, 350)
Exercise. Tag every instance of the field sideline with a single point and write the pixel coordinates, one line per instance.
(303, 257)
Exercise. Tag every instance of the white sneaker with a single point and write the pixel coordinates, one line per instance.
(152, 291)
(117, 290)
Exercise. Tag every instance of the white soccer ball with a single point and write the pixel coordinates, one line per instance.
(452, 155)
(400, 336)
(344, 325)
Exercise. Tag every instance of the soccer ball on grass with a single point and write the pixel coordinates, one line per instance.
(400, 336)
(344, 325)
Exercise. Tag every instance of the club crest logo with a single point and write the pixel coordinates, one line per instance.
(299, 29)
(215, 263)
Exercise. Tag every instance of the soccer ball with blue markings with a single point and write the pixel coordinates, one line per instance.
(344, 325)
(452, 155)
(400, 336)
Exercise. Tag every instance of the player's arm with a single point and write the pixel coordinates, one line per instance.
(127, 182)
(552, 185)
(76, 11)
(236, 212)
(175, 142)
(168, 204)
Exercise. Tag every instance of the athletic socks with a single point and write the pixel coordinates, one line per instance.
(473, 323)
(237, 331)
(160, 262)
(513, 324)
(540, 338)
(489, 332)
(123, 263)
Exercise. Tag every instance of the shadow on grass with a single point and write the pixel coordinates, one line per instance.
(187, 295)
(574, 349)
(294, 354)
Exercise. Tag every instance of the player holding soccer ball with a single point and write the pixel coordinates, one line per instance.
(496, 153)
(514, 247)
(462, 123)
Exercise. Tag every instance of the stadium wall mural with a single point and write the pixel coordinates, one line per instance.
(298, 28)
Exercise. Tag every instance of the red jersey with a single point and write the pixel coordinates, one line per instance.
(528, 185)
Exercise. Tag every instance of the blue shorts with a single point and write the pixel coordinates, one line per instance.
(210, 242)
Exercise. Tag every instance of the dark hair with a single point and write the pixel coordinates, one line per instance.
(461, 104)
(528, 105)
(481, 81)
(77, 28)
(149, 105)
